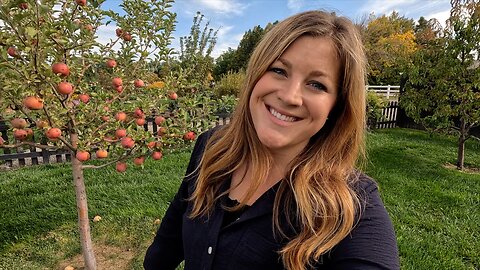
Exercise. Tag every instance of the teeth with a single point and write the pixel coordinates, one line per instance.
(281, 116)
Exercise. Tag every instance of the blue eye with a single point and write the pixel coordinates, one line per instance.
(318, 85)
(279, 71)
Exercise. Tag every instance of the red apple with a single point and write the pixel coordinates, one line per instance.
(18, 123)
(101, 153)
(161, 131)
(33, 103)
(120, 133)
(88, 27)
(139, 160)
(151, 145)
(119, 89)
(157, 155)
(189, 136)
(20, 134)
(82, 155)
(65, 88)
(140, 121)
(119, 32)
(12, 52)
(111, 63)
(139, 83)
(23, 5)
(121, 166)
(84, 98)
(121, 116)
(61, 68)
(138, 113)
(2, 141)
(159, 120)
(172, 95)
(81, 2)
(53, 133)
(105, 118)
(127, 36)
(127, 142)
(117, 82)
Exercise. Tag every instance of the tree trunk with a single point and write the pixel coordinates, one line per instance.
(82, 209)
(461, 145)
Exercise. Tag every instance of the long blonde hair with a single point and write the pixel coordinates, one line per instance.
(318, 187)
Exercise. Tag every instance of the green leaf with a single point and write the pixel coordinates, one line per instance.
(31, 32)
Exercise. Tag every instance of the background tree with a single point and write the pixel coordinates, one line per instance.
(443, 87)
(389, 43)
(61, 89)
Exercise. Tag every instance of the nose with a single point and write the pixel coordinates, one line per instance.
(291, 93)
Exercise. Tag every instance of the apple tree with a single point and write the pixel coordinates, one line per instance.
(60, 85)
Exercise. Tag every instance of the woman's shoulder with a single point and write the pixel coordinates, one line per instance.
(372, 242)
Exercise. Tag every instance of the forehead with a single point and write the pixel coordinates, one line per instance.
(313, 54)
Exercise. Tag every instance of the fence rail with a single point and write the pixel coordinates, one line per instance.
(390, 92)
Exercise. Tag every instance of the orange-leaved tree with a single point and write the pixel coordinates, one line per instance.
(60, 84)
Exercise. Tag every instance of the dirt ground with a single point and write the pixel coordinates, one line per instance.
(108, 257)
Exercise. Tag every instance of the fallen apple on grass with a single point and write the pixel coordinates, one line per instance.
(121, 166)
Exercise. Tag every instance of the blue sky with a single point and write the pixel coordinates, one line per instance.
(234, 17)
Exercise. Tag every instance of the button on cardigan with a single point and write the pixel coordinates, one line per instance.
(250, 243)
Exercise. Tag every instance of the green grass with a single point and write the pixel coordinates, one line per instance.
(435, 210)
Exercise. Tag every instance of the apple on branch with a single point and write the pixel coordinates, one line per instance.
(61, 68)
(101, 153)
(111, 63)
(18, 123)
(82, 155)
(33, 103)
(65, 88)
(20, 134)
(53, 133)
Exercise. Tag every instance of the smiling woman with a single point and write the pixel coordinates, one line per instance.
(277, 188)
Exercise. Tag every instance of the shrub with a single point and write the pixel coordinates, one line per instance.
(230, 84)
(375, 103)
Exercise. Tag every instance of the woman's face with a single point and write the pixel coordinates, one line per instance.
(292, 100)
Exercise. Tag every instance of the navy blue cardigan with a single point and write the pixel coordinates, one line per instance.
(250, 243)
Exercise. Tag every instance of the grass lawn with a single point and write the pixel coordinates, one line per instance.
(435, 210)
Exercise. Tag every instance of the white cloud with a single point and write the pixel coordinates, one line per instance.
(386, 7)
(223, 6)
(295, 5)
(224, 30)
(225, 42)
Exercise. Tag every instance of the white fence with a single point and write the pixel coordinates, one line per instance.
(390, 92)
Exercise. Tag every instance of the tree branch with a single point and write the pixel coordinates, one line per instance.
(128, 154)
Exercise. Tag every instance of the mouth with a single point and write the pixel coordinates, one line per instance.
(280, 116)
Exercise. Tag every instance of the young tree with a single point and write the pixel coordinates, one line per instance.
(443, 87)
(195, 51)
(59, 84)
